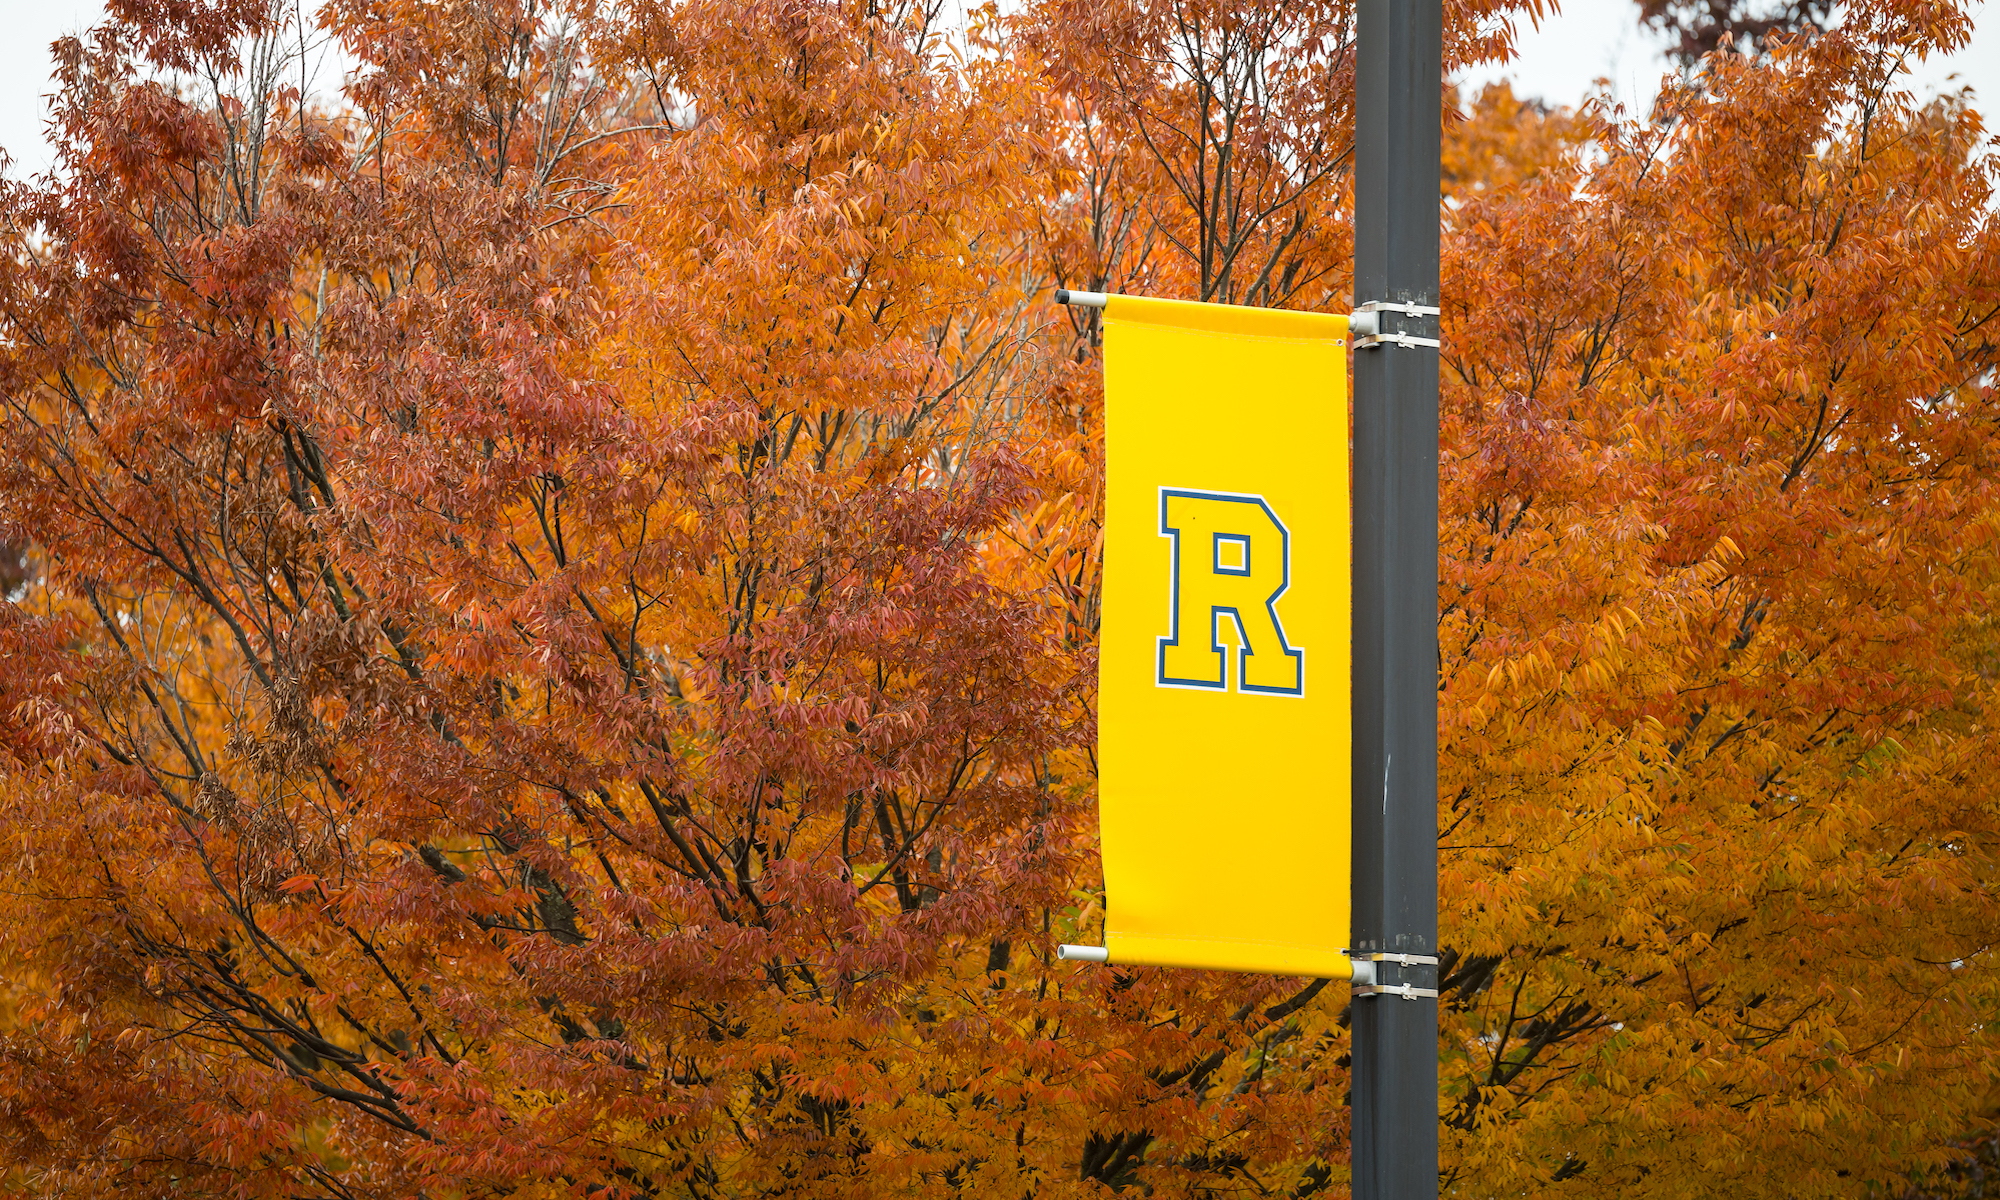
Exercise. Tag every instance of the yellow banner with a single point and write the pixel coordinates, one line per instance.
(1223, 738)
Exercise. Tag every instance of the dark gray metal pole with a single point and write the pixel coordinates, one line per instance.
(1397, 85)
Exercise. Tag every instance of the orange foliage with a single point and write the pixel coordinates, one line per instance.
(1717, 846)
(556, 647)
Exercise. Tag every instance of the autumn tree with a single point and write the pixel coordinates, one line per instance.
(554, 650)
(1717, 845)
(533, 691)
(1697, 28)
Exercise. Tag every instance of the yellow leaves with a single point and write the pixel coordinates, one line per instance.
(1657, 781)
(819, 575)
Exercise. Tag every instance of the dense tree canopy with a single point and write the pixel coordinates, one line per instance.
(548, 638)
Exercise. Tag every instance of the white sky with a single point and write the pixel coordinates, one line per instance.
(27, 27)
(1589, 39)
(25, 66)
(1559, 62)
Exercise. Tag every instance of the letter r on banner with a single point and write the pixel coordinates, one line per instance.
(1232, 560)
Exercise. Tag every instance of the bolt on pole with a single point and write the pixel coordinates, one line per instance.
(1398, 81)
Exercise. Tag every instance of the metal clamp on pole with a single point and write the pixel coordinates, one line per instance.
(1365, 324)
(1396, 989)
(1081, 300)
(1406, 960)
(1367, 976)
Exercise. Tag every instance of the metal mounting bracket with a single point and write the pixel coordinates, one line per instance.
(1404, 990)
(1365, 324)
(1365, 977)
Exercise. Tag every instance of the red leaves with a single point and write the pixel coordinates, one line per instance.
(560, 636)
(185, 36)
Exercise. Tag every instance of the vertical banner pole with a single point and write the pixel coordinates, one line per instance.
(1396, 211)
